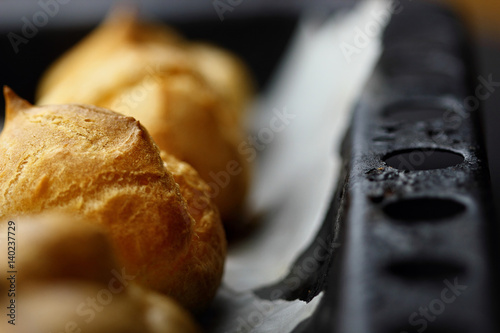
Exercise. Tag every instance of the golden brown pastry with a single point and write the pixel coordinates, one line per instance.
(163, 315)
(105, 167)
(190, 97)
(68, 280)
(58, 247)
(72, 305)
(66, 307)
(226, 74)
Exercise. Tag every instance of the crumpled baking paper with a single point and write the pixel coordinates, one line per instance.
(300, 121)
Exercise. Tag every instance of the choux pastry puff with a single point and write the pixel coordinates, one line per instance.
(104, 167)
(191, 97)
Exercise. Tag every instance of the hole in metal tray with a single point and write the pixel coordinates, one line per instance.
(423, 109)
(415, 114)
(422, 159)
(423, 209)
(430, 328)
(424, 270)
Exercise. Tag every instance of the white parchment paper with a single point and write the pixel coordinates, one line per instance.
(315, 89)
(318, 85)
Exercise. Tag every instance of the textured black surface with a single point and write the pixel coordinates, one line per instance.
(417, 215)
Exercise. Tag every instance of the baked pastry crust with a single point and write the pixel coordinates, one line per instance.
(189, 96)
(105, 167)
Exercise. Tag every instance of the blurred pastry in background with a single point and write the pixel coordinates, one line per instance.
(191, 97)
(69, 280)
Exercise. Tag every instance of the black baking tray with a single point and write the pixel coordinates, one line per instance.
(370, 299)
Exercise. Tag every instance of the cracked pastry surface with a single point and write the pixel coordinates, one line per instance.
(105, 167)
